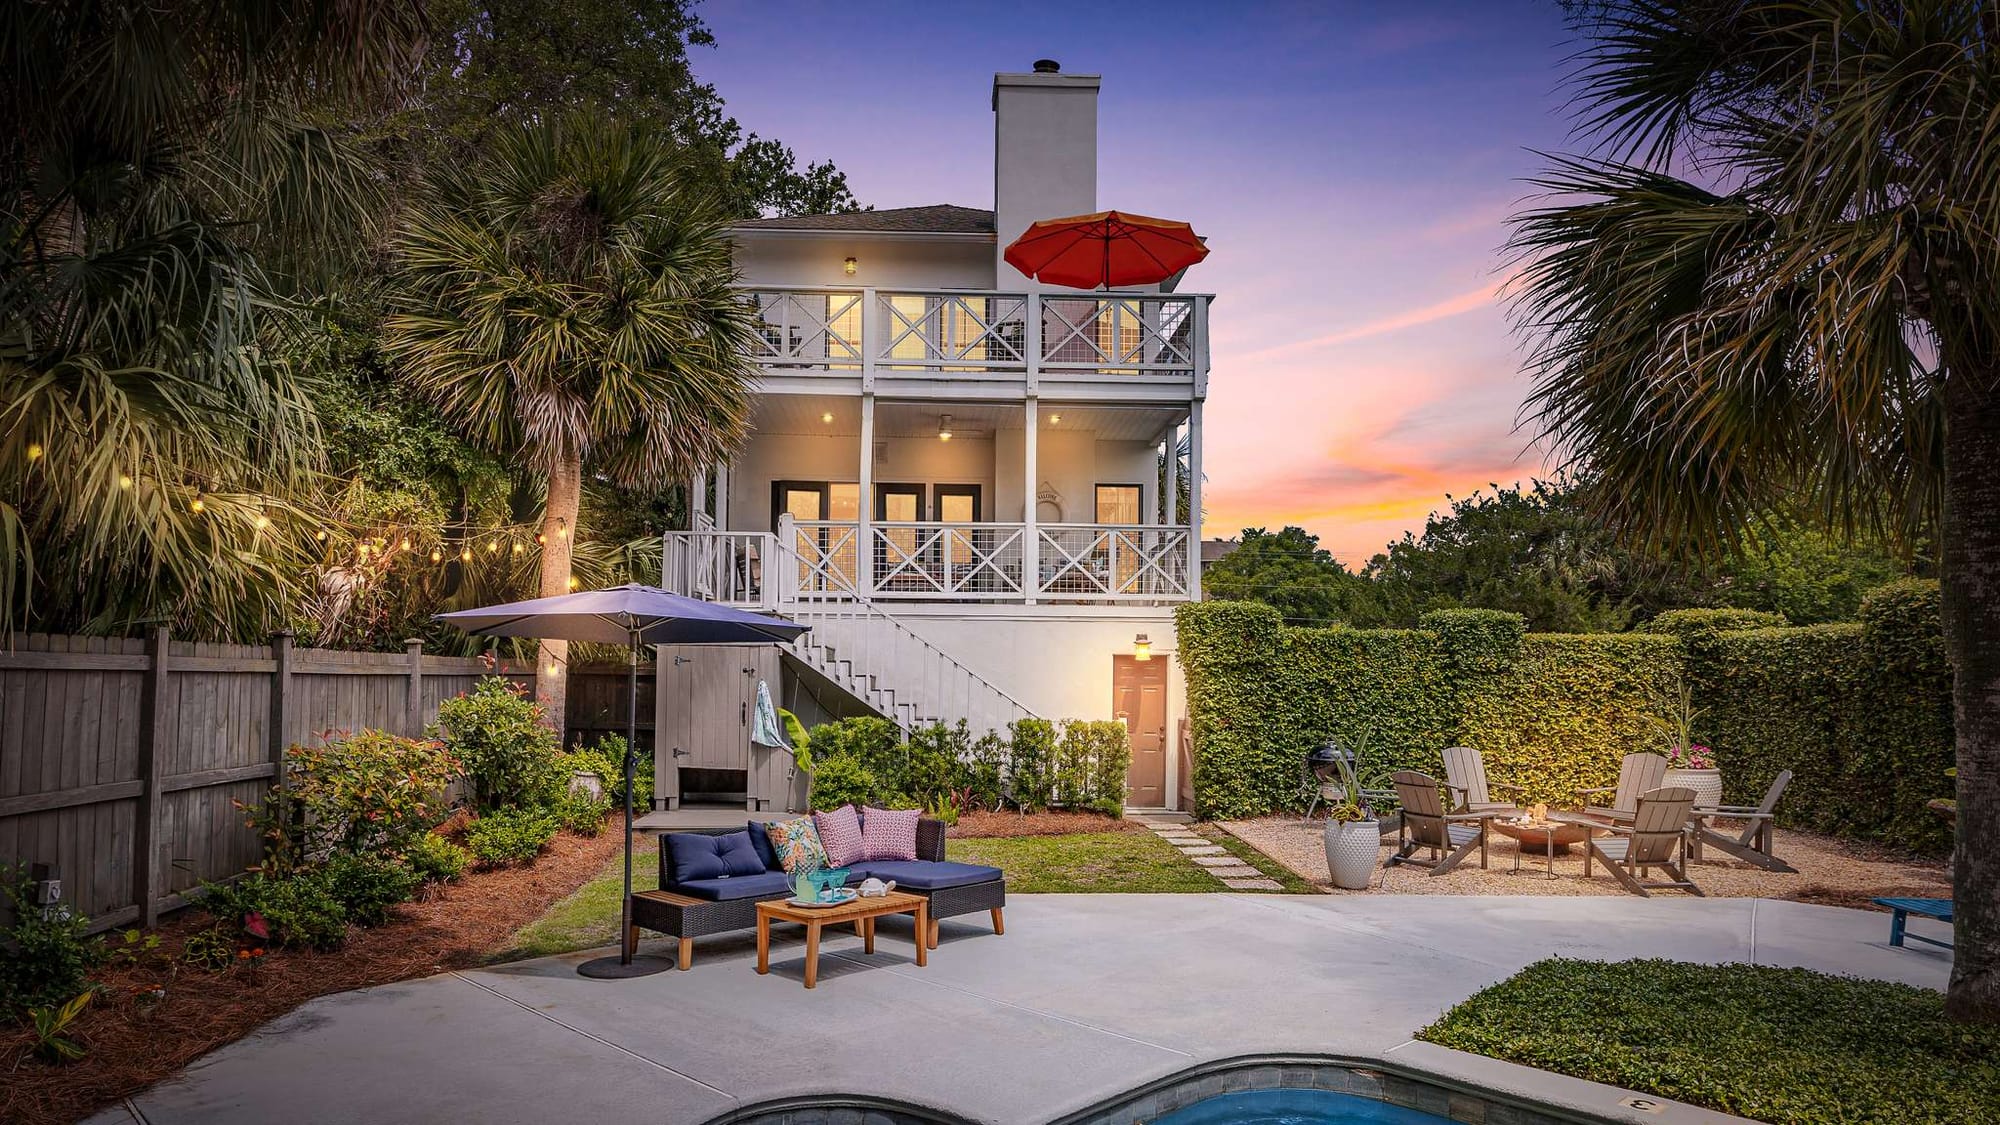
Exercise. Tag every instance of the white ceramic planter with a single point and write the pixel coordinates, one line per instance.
(1707, 785)
(588, 784)
(1352, 847)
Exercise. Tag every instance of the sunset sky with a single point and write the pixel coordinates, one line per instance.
(1351, 166)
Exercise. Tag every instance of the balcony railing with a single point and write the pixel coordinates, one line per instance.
(811, 561)
(925, 333)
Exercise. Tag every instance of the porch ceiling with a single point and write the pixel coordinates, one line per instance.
(807, 414)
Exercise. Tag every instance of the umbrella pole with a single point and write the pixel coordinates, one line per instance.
(631, 752)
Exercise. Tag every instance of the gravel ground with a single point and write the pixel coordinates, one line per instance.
(1833, 872)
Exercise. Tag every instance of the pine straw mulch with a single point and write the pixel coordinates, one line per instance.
(455, 926)
(987, 823)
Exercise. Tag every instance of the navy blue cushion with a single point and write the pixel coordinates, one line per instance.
(761, 839)
(931, 875)
(700, 856)
(763, 885)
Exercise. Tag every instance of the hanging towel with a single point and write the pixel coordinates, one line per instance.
(764, 727)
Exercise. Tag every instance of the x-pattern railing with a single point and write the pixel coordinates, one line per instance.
(952, 329)
(1149, 335)
(808, 329)
(825, 552)
(956, 560)
(1092, 560)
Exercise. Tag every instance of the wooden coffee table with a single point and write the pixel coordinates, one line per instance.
(861, 914)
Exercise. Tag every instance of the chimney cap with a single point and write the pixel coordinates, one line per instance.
(1047, 66)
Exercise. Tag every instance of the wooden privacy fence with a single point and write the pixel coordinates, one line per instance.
(121, 759)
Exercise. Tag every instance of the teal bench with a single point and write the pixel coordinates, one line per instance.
(1900, 910)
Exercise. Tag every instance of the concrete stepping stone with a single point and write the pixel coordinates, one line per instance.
(1218, 861)
(1183, 838)
(1252, 884)
(1202, 849)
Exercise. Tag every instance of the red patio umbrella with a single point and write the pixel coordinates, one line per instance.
(1107, 249)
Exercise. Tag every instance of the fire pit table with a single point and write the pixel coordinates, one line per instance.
(1553, 832)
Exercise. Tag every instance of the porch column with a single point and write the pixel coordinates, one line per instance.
(697, 499)
(1170, 513)
(864, 534)
(1031, 538)
(1194, 500)
(722, 496)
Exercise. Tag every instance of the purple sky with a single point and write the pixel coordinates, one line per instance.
(1351, 166)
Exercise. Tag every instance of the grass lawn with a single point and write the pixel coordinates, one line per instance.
(589, 916)
(1788, 1046)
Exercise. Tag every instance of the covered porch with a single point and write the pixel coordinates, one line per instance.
(1027, 502)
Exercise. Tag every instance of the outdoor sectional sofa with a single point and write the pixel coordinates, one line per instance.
(688, 909)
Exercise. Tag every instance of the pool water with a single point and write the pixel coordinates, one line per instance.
(1296, 1107)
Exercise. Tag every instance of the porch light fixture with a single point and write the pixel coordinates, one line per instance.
(1142, 647)
(1055, 419)
(847, 267)
(827, 417)
(944, 427)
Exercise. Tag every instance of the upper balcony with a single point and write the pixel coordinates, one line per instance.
(947, 343)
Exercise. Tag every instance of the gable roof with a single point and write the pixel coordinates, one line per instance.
(937, 218)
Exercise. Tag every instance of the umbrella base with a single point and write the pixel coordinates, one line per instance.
(611, 968)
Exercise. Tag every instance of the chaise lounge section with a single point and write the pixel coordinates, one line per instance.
(686, 909)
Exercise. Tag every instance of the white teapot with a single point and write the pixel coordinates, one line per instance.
(876, 888)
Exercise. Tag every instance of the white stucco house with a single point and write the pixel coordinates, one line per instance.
(958, 476)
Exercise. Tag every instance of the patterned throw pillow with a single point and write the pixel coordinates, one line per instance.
(889, 833)
(840, 835)
(797, 844)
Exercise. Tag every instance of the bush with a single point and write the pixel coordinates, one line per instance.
(1778, 1045)
(298, 910)
(606, 759)
(509, 837)
(875, 744)
(47, 959)
(436, 859)
(981, 779)
(1031, 773)
(581, 813)
(511, 756)
(841, 781)
(366, 886)
(1701, 622)
(1095, 756)
(365, 792)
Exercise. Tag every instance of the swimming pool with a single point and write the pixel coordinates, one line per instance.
(1286, 1106)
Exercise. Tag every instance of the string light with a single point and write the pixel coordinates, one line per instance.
(197, 506)
(262, 522)
(541, 540)
(465, 555)
(517, 548)
(124, 481)
(320, 535)
(572, 582)
(562, 529)
(406, 543)
(34, 451)
(492, 545)
(436, 555)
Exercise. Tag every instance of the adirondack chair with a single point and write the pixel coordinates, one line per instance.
(1659, 824)
(1753, 844)
(1639, 773)
(1465, 780)
(1449, 837)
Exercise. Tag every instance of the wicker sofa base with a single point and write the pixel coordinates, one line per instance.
(685, 918)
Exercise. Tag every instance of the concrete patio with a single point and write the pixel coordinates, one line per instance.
(1087, 996)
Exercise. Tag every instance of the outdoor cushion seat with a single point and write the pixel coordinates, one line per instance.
(931, 875)
(735, 887)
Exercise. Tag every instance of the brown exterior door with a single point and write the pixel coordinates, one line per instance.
(1139, 697)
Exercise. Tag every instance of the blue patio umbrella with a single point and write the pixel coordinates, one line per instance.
(630, 615)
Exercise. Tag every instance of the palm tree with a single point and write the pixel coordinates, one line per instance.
(565, 302)
(1775, 280)
(162, 166)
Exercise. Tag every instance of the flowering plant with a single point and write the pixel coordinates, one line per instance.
(1691, 758)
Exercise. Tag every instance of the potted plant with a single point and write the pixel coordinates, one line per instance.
(1694, 768)
(1689, 764)
(1352, 838)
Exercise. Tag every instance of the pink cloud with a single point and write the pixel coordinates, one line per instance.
(1396, 322)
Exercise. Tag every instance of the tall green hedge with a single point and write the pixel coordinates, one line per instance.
(1860, 713)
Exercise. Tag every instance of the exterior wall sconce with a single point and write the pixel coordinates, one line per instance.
(847, 267)
(1142, 647)
(1055, 419)
(944, 427)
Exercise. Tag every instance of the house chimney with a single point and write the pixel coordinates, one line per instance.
(1044, 153)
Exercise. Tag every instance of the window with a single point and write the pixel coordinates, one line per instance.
(826, 554)
(1117, 503)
